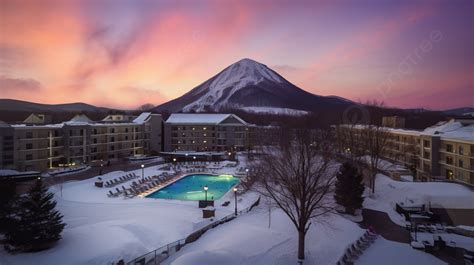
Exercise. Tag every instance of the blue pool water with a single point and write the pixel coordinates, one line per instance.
(191, 188)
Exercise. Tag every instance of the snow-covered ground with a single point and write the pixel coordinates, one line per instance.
(393, 253)
(249, 240)
(101, 229)
(388, 192)
(274, 110)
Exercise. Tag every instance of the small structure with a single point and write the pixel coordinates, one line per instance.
(38, 119)
(99, 183)
(393, 121)
(204, 203)
(208, 212)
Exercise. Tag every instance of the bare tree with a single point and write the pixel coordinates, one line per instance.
(374, 140)
(146, 107)
(297, 177)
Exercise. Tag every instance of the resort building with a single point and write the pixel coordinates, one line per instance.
(444, 151)
(206, 132)
(28, 147)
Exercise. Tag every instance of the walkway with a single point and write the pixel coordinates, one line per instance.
(384, 226)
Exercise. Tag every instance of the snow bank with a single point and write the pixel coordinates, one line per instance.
(249, 240)
(388, 252)
(388, 192)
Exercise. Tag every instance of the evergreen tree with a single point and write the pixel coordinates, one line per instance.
(36, 224)
(349, 188)
(7, 200)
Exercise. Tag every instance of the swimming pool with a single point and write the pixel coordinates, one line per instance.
(191, 187)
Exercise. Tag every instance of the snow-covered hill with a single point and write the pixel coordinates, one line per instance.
(250, 85)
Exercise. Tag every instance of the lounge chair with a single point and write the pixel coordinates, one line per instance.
(118, 191)
(129, 194)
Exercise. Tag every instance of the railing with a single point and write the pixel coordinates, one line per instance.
(155, 257)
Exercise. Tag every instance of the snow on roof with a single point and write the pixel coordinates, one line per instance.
(452, 129)
(4, 124)
(200, 118)
(79, 119)
(449, 130)
(142, 117)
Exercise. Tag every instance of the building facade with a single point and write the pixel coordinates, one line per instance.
(80, 140)
(444, 151)
(206, 132)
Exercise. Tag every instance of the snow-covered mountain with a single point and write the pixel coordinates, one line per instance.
(250, 85)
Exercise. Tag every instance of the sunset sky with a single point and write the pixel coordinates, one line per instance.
(126, 53)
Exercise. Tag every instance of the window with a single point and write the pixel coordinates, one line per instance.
(461, 150)
(426, 154)
(449, 148)
(95, 131)
(112, 130)
(29, 146)
(449, 160)
(29, 157)
(460, 163)
(112, 148)
(70, 132)
(112, 139)
(94, 140)
(29, 134)
(126, 130)
(449, 174)
(426, 143)
(126, 137)
(82, 132)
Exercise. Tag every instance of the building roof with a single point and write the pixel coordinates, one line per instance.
(4, 124)
(142, 117)
(79, 119)
(201, 118)
(453, 129)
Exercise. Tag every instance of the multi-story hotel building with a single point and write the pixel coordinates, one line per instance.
(444, 151)
(206, 132)
(39, 147)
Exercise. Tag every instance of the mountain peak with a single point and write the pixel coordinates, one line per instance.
(247, 61)
(247, 84)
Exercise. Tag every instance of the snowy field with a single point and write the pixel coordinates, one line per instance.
(393, 253)
(101, 229)
(388, 192)
(249, 240)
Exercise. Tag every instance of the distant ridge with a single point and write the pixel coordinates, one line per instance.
(19, 105)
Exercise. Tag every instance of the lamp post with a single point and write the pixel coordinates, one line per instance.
(247, 172)
(143, 171)
(235, 196)
(101, 166)
(205, 192)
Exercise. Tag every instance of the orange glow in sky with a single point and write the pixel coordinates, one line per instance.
(126, 53)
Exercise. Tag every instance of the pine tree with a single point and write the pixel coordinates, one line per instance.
(349, 188)
(36, 223)
(7, 200)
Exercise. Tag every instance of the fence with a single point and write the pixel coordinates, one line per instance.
(155, 257)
